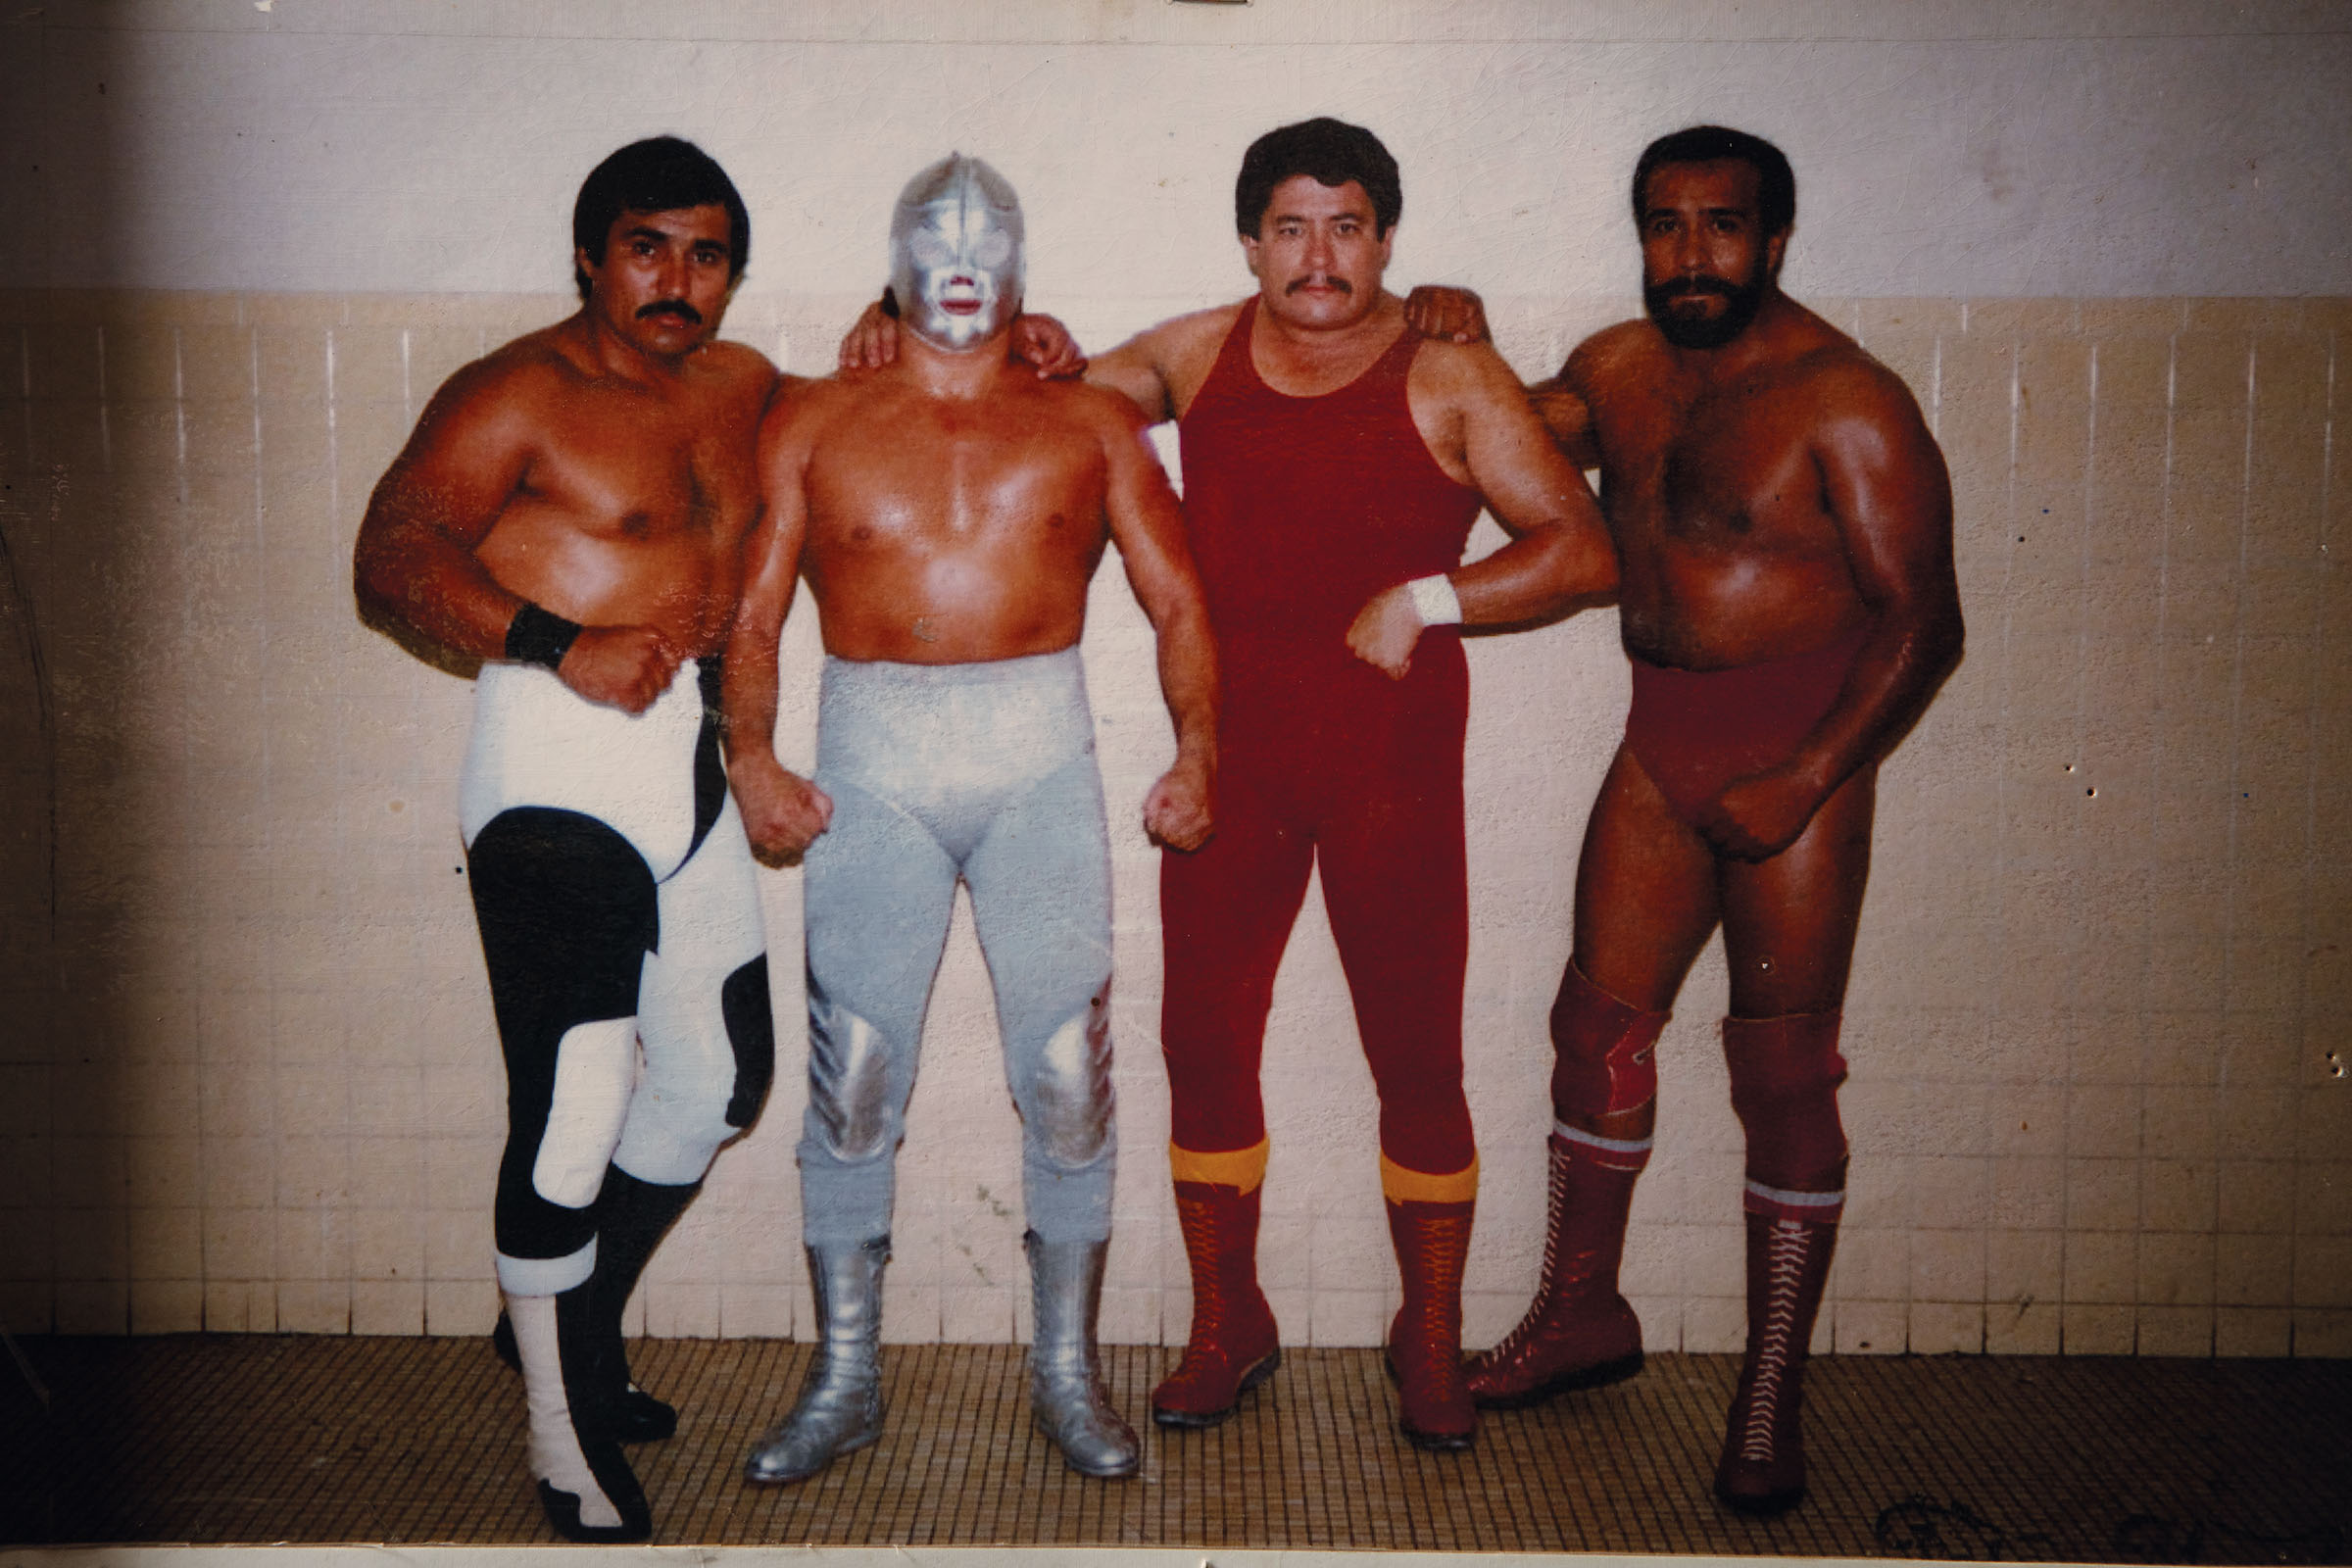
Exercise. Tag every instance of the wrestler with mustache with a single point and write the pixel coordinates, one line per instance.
(569, 517)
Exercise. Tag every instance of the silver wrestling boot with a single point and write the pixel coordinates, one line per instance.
(840, 1407)
(1066, 1395)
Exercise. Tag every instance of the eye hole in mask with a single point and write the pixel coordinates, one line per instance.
(930, 248)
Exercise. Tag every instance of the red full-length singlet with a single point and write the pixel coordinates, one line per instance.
(1300, 510)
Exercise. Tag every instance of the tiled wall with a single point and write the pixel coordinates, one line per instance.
(2099, 1104)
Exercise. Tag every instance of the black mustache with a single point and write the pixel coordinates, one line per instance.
(1339, 284)
(671, 307)
(1687, 287)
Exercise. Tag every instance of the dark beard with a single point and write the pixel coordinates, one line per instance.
(1742, 302)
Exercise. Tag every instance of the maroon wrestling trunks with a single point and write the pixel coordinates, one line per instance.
(1695, 730)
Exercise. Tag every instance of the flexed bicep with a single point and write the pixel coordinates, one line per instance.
(1559, 553)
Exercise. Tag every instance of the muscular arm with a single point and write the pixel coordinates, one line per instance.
(415, 566)
(1559, 550)
(1884, 484)
(1135, 370)
(1161, 369)
(1149, 526)
(782, 813)
(1434, 310)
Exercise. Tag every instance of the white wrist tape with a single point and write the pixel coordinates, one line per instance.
(1435, 600)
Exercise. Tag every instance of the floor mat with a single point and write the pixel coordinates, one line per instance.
(241, 1439)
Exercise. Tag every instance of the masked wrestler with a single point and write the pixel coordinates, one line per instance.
(1785, 525)
(947, 514)
(570, 512)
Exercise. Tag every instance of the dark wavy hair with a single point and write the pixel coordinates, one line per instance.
(659, 174)
(1334, 153)
(1776, 182)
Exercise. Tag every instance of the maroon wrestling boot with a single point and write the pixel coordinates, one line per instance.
(1425, 1340)
(1233, 1346)
(1579, 1333)
(1762, 1470)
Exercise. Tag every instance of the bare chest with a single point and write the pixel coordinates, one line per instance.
(634, 471)
(944, 483)
(1730, 468)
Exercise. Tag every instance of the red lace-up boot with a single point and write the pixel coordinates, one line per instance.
(1233, 1346)
(1425, 1340)
(1762, 1470)
(1579, 1333)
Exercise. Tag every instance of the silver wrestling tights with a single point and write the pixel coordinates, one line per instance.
(939, 773)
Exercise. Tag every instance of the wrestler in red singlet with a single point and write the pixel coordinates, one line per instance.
(1334, 463)
(1301, 510)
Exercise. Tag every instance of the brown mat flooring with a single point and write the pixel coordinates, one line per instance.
(260, 1439)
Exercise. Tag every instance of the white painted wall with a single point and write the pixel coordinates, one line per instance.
(1947, 149)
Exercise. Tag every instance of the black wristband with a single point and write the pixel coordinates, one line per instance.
(890, 302)
(537, 636)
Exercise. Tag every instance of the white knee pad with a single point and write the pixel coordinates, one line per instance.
(674, 1130)
(596, 1071)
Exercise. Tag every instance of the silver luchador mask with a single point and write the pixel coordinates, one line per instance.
(956, 259)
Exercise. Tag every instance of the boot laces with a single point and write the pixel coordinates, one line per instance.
(1437, 1298)
(1214, 1302)
(1785, 1264)
(1547, 1283)
(1209, 1308)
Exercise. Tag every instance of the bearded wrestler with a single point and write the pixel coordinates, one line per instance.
(1783, 518)
(570, 512)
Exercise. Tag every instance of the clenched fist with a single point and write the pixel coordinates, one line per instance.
(622, 666)
(1385, 631)
(782, 811)
(1179, 810)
